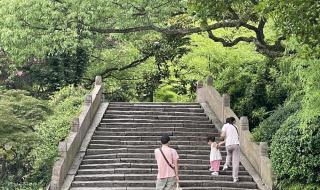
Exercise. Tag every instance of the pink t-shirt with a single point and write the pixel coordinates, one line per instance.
(164, 170)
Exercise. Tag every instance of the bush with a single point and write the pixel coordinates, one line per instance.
(66, 105)
(295, 153)
(268, 127)
(19, 113)
(34, 153)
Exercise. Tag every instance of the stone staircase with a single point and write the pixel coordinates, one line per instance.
(120, 155)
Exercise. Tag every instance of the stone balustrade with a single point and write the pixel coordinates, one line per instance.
(79, 126)
(255, 152)
(1, 169)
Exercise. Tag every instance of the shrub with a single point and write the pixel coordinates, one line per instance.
(295, 152)
(268, 127)
(66, 105)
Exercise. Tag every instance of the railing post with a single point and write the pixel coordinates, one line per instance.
(244, 126)
(209, 81)
(88, 103)
(200, 93)
(225, 104)
(62, 147)
(98, 80)
(244, 123)
(75, 125)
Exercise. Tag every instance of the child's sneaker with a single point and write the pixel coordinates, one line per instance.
(235, 180)
(215, 173)
(211, 169)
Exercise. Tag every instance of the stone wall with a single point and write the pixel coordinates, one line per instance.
(255, 152)
(71, 145)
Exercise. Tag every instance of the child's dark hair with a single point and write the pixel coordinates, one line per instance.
(211, 138)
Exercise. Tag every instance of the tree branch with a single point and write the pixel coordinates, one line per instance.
(234, 42)
(108, 72)
(168, 31)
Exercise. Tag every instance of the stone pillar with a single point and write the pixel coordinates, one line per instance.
(200, 92)
(225, 104)
(75, 125)
(199, 84)
(244, 123)
(98, 80)
(263, 149)
(88, 103)
(209, 81)
(244, 128)
(62, 149)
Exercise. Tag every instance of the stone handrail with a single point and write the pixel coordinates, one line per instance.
(255, 152)
(71, 145)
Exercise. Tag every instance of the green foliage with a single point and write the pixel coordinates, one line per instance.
(268, 127)
(295, 146)
(19, 112)
(35, 152)
(66, 105)
(305, 27)
(54, 73)
(295, 152)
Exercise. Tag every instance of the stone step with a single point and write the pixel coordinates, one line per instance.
(177, 147)
(152, 104)
(120, 154)
(155, 106)
(162, 129)
(142, 155)
(143, 160)
(152, 188)
(165, 109)
(154, 142)
(156, 113)
(145, 165)
(152, 133)
(111, 177)
(201, 138)
(151, 183)
(91, 151)
(155, 117)
(152, 171)
(156, 125)
(133, 120)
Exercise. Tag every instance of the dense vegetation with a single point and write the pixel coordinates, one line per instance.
(265, 54)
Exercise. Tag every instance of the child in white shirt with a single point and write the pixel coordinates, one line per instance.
(215, 156)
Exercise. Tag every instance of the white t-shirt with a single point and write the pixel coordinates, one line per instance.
(215, 153)
(232, 136)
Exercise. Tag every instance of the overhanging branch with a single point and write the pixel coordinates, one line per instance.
(108, 72)
(226, 43)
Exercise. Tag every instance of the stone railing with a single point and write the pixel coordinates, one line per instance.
(71, 145)
(256, 153)
(1, 169)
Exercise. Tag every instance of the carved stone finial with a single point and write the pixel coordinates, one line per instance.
(226, 100)
(263, 148)
(199, 84)
(244, 123)
(98, 80)
(209, 81)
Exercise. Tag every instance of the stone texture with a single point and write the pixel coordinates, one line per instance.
(120, 154)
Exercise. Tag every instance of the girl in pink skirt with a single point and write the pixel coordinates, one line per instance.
(215, 156)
